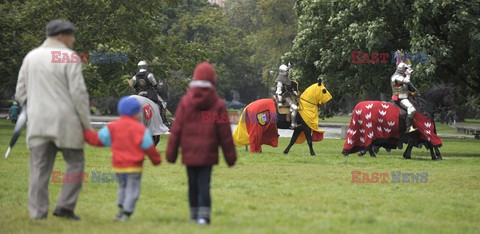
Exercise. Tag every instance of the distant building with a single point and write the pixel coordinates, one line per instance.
(220, 3)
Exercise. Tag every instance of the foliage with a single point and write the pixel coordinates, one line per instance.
(270, 27)
(328, 31)
(173, 36)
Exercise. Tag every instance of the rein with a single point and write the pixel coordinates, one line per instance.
(307, 101)
(435, 108)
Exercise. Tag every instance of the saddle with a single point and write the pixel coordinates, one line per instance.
(403, 113)
(285, 108)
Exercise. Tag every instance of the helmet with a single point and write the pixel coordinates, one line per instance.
(142, 65)
(409, 69)
(283, 69)
(403, 67)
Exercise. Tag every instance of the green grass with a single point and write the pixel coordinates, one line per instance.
(336, 119)
(446, 129)
(267, 193)
(473, 122)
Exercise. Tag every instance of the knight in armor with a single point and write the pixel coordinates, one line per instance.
(145, 84)
(401, 88)
(287, 94)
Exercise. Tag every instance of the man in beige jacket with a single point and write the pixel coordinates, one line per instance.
(58, 112)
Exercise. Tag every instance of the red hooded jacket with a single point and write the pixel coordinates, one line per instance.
(201, 125)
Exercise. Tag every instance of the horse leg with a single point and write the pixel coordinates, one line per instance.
(408, 151)
(308, 134)
(296, 133)
(371, 152)
(437, 152)
(432, 154)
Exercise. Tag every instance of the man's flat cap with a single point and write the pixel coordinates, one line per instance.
(58, 26)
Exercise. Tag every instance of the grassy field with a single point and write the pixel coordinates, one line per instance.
(267, 193)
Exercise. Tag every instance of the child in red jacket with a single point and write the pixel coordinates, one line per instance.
(130, 141)
(201, 125)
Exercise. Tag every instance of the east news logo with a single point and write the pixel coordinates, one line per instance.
(397, 177)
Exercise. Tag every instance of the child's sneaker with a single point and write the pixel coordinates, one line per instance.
(193, 214)
(203, 221)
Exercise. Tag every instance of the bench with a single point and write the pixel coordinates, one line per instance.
(468, 129)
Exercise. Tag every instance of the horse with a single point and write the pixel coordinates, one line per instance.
(302, 127)
(261, 119)
(433, 101)
(151, 118)
(381, 124)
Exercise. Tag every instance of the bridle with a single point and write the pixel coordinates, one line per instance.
(436, 108)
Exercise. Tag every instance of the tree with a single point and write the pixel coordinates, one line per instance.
(209, 36)
(329, 31)
(270, 27)
(102, 26)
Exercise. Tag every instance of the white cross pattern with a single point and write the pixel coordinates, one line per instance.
(428, 132)
(369, 125)
(428, 124)
(359, 111)
(368, 116)
(350, 141)
(379, 128)
(387, 129)
(385, 106)
(360, 121)
(380, 120)
(362, 130)
(383, 113)
(362, 139)
(391, 123)
(370, 135)
(369, 106)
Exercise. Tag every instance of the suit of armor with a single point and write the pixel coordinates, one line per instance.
(400, 82)
(145, 84)
(285, 93)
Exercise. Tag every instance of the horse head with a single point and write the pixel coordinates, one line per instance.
(324, 95)
(438, 98)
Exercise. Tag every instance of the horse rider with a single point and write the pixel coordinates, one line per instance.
(144, 84)
(401, 88)
(286, 93)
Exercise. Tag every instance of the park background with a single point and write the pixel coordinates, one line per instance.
(247, 40)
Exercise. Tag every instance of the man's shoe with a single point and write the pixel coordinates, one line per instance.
(122, 218)
(64, 213)
(119, 213)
